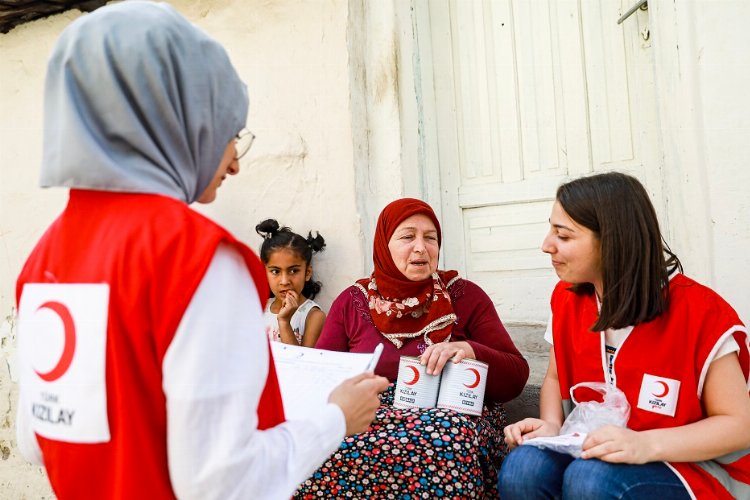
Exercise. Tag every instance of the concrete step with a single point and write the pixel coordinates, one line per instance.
(529, 338)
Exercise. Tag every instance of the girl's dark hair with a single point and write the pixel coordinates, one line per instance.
(636, 261)
(276, 237)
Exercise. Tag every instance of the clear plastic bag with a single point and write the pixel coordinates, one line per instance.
(614, 409)
(590, 415)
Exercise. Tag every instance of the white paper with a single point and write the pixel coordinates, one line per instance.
(566, 443)
(307, 376)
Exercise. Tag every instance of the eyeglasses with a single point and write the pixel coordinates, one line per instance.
(243, 141)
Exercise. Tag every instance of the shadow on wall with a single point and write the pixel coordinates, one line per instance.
(529, 338)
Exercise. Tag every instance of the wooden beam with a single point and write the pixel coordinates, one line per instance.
(16, 12)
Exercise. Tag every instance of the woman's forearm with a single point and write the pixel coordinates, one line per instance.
(725, 430)
(703, 440)
(550, 400)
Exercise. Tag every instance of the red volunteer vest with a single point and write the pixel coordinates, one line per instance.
(153, 251)
(676, 346)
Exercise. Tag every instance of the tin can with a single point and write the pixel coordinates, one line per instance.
(414, 387)
(462, 386)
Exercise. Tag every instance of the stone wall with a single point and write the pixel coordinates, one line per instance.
(529, 338)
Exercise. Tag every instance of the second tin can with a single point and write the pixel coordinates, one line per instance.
(462, 386)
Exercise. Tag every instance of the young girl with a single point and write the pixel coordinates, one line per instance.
(291, 315)
(623, 313)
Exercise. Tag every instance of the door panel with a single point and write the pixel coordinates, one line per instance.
(529, 94)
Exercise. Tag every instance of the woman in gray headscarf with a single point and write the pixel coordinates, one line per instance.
(144, 366)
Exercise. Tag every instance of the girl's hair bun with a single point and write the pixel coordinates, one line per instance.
(268, 228)
(317, 243)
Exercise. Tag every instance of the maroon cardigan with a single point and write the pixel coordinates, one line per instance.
(349, 327)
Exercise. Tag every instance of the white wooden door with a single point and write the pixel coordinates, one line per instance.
(528, 94)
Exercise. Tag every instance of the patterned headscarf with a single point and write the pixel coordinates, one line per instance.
(137, 99)
(399, 307)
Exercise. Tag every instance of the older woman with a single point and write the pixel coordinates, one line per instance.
(416, 310)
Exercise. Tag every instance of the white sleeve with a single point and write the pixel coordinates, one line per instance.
(548, 331)
(26, 440)
(213, 374)
(727, 347)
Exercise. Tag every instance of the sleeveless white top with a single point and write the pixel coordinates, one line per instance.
(297, 322)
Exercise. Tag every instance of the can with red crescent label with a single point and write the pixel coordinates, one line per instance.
(414, 387)
(462, 386)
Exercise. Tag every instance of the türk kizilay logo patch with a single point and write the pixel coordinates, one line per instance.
(659, 394)
(62, 337)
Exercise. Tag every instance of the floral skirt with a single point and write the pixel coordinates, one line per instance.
(415, 453)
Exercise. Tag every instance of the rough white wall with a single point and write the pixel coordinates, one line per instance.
(702, 76)
(724, 73)
(293, 55)
(25, 211)
(380, 52)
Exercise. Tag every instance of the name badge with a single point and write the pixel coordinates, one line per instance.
(659, 395)
(62, 341)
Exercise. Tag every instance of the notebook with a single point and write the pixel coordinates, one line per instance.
(307, 376)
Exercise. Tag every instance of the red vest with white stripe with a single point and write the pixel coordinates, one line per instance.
(661, 368)
(153, 251)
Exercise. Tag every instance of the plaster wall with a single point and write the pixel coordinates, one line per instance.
(25, 211)
(304, 90)
(724, 74)
(702, 79)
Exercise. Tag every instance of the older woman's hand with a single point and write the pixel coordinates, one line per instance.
(436, 355)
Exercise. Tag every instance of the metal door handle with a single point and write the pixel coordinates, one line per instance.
(640, 4)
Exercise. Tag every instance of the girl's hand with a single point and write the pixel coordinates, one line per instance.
(436, 355)
(617, 445)
(516, 434)
(289, 306)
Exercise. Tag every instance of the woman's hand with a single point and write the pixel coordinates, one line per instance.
(617, 445)
(358, 399)
(436, 355)
(516, 434)
(289, 306)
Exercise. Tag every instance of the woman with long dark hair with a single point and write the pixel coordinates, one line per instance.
(623, 313)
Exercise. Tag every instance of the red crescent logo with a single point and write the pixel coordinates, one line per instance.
(664, 386)
(66, 358)
(476, 379)
(416, 375)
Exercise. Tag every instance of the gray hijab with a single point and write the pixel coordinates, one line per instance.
(137, 99)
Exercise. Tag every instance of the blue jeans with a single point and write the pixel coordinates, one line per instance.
(529, 473)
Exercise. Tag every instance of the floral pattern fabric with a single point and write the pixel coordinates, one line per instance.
(414, 454)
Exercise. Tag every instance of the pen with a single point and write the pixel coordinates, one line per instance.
(375, 358)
